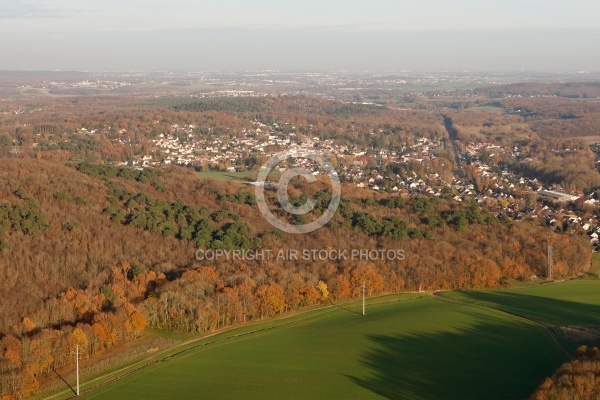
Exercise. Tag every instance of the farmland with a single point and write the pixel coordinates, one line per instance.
(568, 303)
(225, 176)
(462, 345)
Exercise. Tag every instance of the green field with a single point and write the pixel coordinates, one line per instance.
(594, 272)
(225, 176)
(233, 176)
(575, 302)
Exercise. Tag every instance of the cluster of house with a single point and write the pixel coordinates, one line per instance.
(229, 93)
(183, 147)
(562, 218)
(501, 194)
(22, 111)
(85, 84)
(476, 149)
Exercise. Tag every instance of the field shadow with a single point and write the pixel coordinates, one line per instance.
(485, 361)
(543, 309)
(65, 381)
(493, 359)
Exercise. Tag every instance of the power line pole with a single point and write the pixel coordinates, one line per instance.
(77, 357)
(550, 262)
(364, 286)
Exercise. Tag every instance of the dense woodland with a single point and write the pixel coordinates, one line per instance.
(577, 379)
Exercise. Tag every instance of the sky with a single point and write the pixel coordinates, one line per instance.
(511, 35)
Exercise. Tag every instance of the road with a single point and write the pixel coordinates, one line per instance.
(453, 135)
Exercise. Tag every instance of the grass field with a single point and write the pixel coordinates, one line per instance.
(225, 176)
(575, 302)
(595, 269)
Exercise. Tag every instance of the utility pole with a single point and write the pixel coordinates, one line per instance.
(77, 362)
(550, 262)
(364, 286)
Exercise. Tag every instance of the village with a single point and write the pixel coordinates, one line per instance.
(414, 170)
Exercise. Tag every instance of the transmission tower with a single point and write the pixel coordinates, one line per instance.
(77, 358)
(363, 293)
(550, 262)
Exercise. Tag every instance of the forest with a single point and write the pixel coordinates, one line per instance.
(577, 379)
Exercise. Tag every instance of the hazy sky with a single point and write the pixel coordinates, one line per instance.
(300, 35)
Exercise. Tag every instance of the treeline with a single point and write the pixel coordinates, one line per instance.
(577, 379)
(206, 299)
